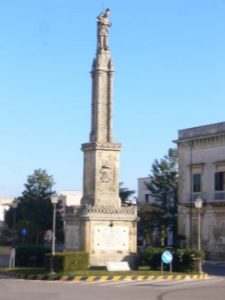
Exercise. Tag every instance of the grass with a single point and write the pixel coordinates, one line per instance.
(91, 272)
(25, 271)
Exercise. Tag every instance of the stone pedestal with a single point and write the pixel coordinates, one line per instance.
(106, 233)
(101, 172)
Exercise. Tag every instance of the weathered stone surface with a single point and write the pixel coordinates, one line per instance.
(101, 176)
(101, 226)
(72, 237)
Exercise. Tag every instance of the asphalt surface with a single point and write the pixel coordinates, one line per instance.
(216, 268)
(4, 260)
(14, 289)
(213, 288)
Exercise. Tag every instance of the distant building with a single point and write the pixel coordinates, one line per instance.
(5, 203)
(144, 195)
(201, 152)
(70, 198)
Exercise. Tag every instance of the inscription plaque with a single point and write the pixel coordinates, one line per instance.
(111, 238)
(72, 237)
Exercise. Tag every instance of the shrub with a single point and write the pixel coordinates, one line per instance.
(5, 243)
(150, 257)
(31, 256)
(187, 260)
(184, 260)
(69, 261)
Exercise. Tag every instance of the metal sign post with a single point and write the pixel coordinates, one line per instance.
(166, 258)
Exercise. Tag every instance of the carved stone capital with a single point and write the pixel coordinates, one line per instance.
(109, 211)
(101, 146)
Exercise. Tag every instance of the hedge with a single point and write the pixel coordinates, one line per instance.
(184, 260)
(187, 260)
(31, 256)
(68, 261)
(150, 257)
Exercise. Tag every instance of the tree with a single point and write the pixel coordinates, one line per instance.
(162, 213)
(35, 210)
(125, 193)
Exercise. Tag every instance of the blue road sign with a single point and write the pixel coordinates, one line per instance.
(167, 257)
(24, 231)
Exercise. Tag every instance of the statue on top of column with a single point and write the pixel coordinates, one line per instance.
(103, 30)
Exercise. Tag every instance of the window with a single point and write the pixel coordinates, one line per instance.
(196, 183)
(220, 181)
(147, 198)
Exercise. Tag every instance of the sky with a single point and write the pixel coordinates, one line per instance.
(169, 58)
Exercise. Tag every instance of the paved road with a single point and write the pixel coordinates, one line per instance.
(14, 289)
(4, 260)
(214, 268)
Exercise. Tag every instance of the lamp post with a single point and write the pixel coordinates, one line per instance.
(198, 205)
(14, 206)
(54, 201)
(12, 256)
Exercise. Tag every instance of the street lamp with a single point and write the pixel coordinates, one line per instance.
(198, 205)
(54, 201)
(12, 256)
(14, 206)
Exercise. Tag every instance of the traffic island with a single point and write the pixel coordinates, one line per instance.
(101, 278)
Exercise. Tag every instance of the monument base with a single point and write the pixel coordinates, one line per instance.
(106, 233)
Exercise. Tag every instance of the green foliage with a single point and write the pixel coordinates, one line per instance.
(6, 237)
(187, 260)
(163, 185)
(5, 243)
(125, 193)
(184, 260)
(31, 256)
(150, 257)
(69, 261)
(35, 210)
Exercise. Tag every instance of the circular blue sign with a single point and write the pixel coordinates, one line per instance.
(167, 257)
(24, 231)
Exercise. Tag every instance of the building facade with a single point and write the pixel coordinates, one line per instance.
(5, 204)
(144, 195)
(71, 198)
(201, 152)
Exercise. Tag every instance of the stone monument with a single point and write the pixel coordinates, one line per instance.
(102, 226)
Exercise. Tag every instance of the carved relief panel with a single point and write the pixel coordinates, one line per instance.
(107, 173)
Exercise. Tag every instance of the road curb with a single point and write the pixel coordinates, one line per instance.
(103, 278)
